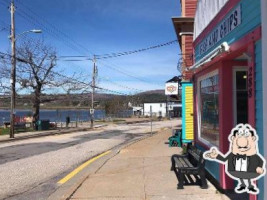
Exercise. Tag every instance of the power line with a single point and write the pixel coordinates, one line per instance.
(57, 73)
(104, 56)
(58, 33)
(112, 91)
(118, 70)
(115, 68)
(70, 78)
(114, 55)
(122, 86)
(54, 29)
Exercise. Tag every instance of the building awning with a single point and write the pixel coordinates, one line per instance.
(183, 25)
(224, 47)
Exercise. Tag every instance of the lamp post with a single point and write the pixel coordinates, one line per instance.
(13, 69)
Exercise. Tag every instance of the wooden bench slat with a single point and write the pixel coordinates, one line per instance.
(196, 156)
(192, 163)
(179, 164)
(188, 163)
(183, 162)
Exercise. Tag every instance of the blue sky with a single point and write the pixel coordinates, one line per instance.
(87, 27)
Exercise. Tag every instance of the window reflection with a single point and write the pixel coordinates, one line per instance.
(209, 108)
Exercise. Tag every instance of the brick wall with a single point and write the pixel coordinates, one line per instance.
(188, 10)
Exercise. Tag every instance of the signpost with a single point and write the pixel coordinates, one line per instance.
(150, 120)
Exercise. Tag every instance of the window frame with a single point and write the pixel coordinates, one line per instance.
(199, 79)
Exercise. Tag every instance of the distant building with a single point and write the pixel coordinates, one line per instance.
(174, 109)
(138, 111)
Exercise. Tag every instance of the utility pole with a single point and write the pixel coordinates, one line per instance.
(93, 92)
(167, 107)
(13, 71)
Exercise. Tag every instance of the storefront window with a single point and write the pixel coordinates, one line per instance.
(209, 109)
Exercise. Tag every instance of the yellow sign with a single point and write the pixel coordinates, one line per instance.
(189, 117)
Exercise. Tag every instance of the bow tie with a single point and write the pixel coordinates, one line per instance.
(238, 156)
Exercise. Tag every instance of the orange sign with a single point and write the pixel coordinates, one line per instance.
(171, 88)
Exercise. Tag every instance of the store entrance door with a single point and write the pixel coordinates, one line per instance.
(240, 96)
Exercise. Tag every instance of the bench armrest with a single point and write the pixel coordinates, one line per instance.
(188, 168)
(183, 155)
(180, 156)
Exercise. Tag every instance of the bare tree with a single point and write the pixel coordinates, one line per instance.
(36, 62)
(4, 75)
(76, 84)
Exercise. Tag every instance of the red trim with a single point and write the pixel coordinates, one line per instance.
(243, 43)
(216, 20)
(251, 86)
(226, 114)
(236, 49)
(251, 94)
(195, 108)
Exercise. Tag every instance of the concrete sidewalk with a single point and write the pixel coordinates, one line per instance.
(142, 171)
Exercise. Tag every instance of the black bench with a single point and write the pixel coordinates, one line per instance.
(20, 125)
(191, 163)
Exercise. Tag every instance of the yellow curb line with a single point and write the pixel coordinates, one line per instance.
(81, 167)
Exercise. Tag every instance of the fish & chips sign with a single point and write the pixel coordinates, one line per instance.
(225, 27)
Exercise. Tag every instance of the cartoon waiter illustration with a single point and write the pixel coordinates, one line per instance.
(243, 161)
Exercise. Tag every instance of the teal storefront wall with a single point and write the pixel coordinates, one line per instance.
(212, 167)
(250, 19)
(259, 107)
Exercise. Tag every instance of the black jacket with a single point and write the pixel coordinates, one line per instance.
(253, 162)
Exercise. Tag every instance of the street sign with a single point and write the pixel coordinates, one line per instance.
(92, 111)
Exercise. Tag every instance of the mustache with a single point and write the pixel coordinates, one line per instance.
(243, 147)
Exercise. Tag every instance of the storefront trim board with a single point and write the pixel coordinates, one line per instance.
(264, 82)
(259, 106)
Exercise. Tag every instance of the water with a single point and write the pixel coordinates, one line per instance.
(54, 115)
(60, 115)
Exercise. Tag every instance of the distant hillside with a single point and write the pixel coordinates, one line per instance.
(154, 96)
(84, 100)
(162, 92)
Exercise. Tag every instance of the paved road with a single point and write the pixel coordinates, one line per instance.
(30, 169)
